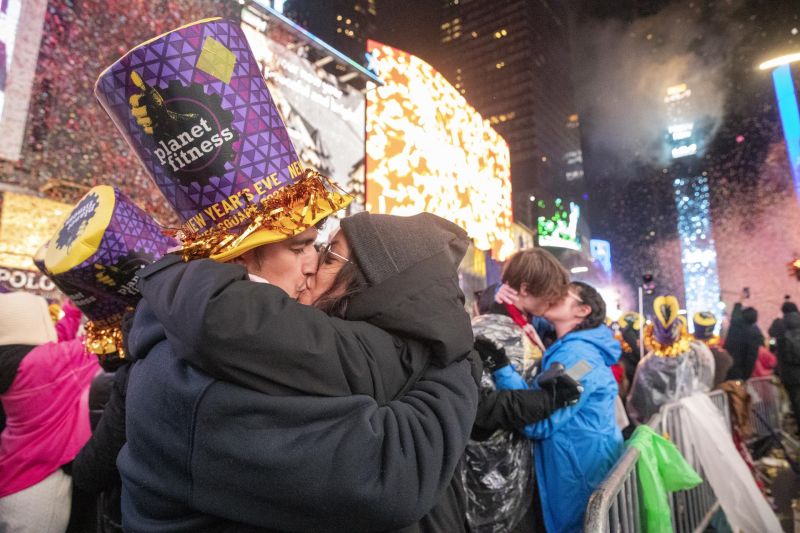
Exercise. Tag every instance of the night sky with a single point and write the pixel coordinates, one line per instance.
(413, 26)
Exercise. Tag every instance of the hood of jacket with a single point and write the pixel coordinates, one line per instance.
(411, 265)
(792, 320)
(600, 337)
(142, 333)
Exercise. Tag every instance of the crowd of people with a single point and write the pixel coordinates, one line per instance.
(350, 392)
(272, 380)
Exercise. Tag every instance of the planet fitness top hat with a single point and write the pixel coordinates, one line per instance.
(704, 324)
(193, 105)
(95, 256)
(667, 336)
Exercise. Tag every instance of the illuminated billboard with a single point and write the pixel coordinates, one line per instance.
(27, 222)
(557, 227)
(20, 34)
(324, 116)
(429, 150)
(601, 252)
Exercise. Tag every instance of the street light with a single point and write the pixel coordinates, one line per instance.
(779, 61)
(649, 287)
(788, 110)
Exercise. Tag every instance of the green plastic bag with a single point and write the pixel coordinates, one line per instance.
(661, 469)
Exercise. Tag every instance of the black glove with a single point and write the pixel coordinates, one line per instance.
(562, 389)
(492, 354)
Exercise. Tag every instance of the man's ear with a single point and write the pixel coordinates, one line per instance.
(523, 289)
(246, 259)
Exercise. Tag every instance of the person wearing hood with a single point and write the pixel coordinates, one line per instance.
(300, 420)
(778, 326)
(577, 446)
(743, 341)
(786, 332)
(44, 383)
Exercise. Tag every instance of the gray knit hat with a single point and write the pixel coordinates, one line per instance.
(25, 319)
(384, 245)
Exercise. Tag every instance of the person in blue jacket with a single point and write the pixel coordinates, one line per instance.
(577, 446)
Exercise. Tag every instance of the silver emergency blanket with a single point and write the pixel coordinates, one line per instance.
(498, 472)
(660, 380)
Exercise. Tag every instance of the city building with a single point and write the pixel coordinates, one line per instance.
(511, 61)
(345, 24)
(684, 140)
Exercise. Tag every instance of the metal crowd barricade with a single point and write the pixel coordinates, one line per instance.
(765, 407)
(615, 507)
(692, 509)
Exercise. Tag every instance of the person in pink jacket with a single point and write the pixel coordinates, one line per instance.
(765, 364)
(44, 389)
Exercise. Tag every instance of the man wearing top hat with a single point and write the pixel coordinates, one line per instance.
(203, 454)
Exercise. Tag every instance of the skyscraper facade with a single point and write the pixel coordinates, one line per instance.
(511, 60)
(345, 24)
(693, 203)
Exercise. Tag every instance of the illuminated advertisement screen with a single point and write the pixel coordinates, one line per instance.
(601, 252)
(20, 34)
(324, 117)
(557, 224)
(429, 150)
(26, 223)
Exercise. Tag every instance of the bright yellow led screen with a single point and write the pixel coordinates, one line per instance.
(429, 150)
(26, 223)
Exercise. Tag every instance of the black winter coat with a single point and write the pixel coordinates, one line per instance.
(788, 372)
(94, 470)
(742, 343)
(344, 462)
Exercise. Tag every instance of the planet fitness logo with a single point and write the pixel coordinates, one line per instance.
(192, 133)
(123, 274)
(77, 220)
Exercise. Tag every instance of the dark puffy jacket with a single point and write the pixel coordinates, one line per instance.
(788, 369)
(94, 470)
(233, 458)
(742, 343)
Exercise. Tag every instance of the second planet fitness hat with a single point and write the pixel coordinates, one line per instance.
(194, 106)
(94, 259)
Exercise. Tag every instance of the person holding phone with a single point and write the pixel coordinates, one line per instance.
(576, 446)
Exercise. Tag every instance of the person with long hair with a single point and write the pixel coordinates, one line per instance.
(577, 446)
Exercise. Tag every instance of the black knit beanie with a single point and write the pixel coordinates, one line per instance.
(384, 245)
